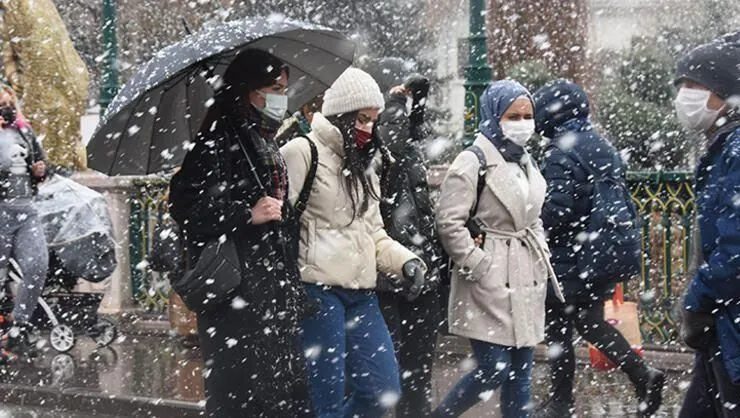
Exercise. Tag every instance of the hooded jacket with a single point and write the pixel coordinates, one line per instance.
(406, 206)
(563, 116)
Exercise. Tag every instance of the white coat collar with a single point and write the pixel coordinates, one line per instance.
(327, 134)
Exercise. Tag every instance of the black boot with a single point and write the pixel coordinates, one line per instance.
(555, 408)
(650, 392)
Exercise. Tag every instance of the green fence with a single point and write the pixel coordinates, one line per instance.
(150, 290)
(665, 202)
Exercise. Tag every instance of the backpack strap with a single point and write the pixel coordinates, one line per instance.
(590, 170)
(300, 204)
(482, 167)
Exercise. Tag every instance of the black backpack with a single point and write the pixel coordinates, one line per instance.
(300, 204)
(302, 201)
(611, 249)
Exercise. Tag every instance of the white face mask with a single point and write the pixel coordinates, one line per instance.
(276, 105)
(692, 111)
(518, 131)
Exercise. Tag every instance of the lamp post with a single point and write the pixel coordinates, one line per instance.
(477, 72)
(109, 84)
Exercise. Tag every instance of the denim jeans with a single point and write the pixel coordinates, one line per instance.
(507, 367)
(348, 342)
(22, 238)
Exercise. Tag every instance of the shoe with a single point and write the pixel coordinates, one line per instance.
(650, 392)
(19, 341)
(6, 357)
(555, 408)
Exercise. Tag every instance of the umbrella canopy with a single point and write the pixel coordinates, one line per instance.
(151, 123)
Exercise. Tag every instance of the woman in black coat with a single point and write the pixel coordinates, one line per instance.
(234, 183)
(408, 216)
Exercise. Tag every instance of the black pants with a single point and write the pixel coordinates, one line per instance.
(413, 327)
(710, 388)
(588, 320)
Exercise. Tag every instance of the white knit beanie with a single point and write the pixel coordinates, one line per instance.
(354, 90)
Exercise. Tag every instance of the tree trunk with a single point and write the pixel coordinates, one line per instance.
(552, 31)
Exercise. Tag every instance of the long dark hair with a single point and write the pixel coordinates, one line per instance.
(357, 163)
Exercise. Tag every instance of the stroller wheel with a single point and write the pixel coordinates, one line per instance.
(62, 338)
(62, 369)
(106, 332)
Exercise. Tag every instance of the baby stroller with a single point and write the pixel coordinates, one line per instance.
(78, 231)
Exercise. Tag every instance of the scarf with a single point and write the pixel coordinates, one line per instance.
(254, 122)
(511, 152)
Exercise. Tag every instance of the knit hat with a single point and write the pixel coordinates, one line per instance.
(354, 90)
(715, 65)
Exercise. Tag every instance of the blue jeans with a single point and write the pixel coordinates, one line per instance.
(508, 367)
(349, 335)
(22, 238)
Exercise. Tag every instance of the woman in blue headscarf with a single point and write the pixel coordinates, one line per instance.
(495, 238)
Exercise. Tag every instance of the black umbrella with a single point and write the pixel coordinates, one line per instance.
(151, 123)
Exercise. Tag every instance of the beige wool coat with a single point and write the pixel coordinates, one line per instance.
(498, 292)
(334, 250)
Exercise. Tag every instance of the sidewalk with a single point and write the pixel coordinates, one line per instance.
(151, 375)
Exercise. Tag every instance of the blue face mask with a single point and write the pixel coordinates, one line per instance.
(276, 105)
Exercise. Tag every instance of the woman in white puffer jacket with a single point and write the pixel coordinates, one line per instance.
(342, 246)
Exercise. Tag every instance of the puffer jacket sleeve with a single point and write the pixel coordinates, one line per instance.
(199, 197)
(457, 198)
(389, 254)
(297, 154)
(719, 277)
(557, 169)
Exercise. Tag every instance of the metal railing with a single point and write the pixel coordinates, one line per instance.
(666, 204)
(150, 290)
(665, 201)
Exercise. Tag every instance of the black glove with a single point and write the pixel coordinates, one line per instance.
(697, 329)
(418, 86)
(413, 272)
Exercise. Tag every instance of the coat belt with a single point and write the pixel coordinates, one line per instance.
(528, 238)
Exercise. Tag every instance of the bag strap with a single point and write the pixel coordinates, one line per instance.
(482, 167)
(589, 170)
(300, 204)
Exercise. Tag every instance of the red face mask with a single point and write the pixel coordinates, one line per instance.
(362, 138)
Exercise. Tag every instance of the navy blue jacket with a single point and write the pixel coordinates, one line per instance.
(715, 288)
(562, 115)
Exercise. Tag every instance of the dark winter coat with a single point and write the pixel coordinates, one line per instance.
(406, 207)
(562, 115)
(715, 288)
(253, 364)
(33, 153)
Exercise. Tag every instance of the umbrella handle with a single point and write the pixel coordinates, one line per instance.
(252, 167)
(185, 24)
